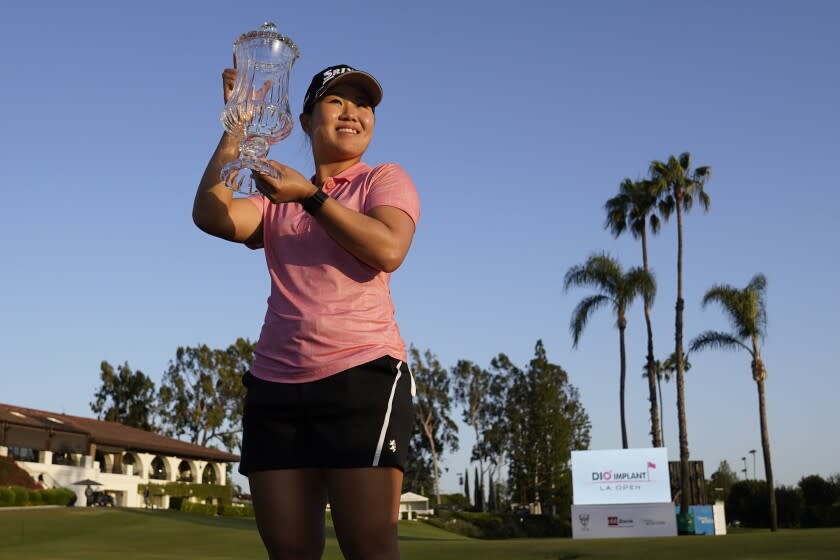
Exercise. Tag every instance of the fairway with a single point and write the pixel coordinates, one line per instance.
(100, 534)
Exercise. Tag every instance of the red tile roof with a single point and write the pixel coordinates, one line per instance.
(112, 434)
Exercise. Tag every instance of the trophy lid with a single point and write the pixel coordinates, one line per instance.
(267, 32)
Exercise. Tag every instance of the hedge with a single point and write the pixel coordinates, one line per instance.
(227, 510)
(230, 510)
(19, 496)
(501, 526)
(185, 490)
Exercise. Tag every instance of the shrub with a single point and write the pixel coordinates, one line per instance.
(7, 497)
(501, 526)
(21, 496)
(34, 497)
(454, 525)
(790, 506)
(230, 510)
(202, 509)
(59, 496)
(748, 503)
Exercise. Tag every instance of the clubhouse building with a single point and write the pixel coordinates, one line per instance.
(59, 450)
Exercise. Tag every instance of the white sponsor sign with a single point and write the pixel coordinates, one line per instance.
(624, 520)
(621, 476)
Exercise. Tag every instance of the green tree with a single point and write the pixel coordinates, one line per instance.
(478, 498)
(125, 396)
(617, 289)
(747, 313)
(721, 482)
(201, 394)
(631, 210)
(434, 409)
(547, 422)
(470, 387)
(677, 186)
(820, 499)
(418, 476)
(496, 437)
(467, 483)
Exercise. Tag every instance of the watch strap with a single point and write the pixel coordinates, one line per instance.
(313, 203)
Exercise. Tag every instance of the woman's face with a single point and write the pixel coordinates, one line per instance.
(340, 126)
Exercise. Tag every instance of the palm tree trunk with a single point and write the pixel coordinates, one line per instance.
(760, 374)
(655, 429)
(685, 486)
(661, 411)
(621, 328)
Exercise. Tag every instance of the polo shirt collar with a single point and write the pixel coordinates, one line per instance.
(351, 172)
(346, 176)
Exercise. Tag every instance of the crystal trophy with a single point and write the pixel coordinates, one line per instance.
(257, 111)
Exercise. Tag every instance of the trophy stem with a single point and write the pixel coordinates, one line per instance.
(237, 173)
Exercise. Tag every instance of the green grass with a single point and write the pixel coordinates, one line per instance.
(124, 534)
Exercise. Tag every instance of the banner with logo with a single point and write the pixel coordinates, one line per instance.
(704, 519)
(621, 476)
(624, 520)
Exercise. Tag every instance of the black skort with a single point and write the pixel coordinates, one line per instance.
(361, 417)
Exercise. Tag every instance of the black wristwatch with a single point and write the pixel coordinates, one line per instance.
(313, 203)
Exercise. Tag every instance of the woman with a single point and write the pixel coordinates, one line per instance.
(329, 410)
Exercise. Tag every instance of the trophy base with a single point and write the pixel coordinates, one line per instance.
(236, 175)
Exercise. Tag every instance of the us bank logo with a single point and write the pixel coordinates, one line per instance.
(616, 521)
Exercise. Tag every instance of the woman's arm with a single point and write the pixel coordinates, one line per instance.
(215, 211)
(380, 238)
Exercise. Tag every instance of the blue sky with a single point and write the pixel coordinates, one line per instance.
(517, 122)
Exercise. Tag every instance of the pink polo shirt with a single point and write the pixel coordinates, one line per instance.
(328, 311)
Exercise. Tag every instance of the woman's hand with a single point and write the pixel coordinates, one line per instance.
(290, 187)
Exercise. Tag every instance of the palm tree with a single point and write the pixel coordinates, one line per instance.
(678, 186)
(748, 316)
(665, 372)
(616, 288)
(630, 210)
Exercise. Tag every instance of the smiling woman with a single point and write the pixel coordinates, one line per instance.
(329, 411)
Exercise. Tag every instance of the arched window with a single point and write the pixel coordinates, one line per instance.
(209, 474)
(185, 473)
(158, 471)
(130, 459)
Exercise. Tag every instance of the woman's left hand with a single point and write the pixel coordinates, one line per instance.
(290, 187)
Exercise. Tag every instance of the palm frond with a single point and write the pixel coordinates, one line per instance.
(745, 308)
(758, 285)
(716, 340)
(639, 282)
(581, 314)
(667, 206)
(655, 223)
(600, 271)
(705, 201)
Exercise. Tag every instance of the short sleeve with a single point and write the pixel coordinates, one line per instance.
(390, 185)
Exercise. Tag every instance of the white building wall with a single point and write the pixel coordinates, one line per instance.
(122, 486)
